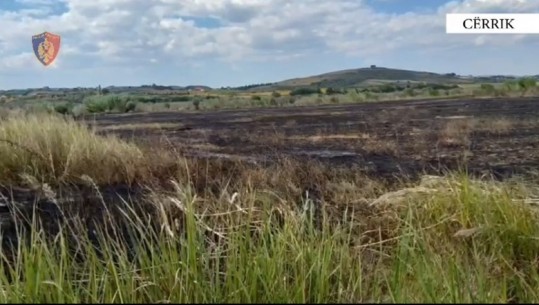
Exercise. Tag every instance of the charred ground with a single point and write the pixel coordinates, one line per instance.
(488, 136)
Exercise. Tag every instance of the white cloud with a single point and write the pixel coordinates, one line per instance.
(142, 31)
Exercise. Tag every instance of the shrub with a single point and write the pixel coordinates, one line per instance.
(110, 103)
(526, 83)
(63, 108)
(488, 88)
(305, 91)
(181, 98)
(196, 103)
(131, 106)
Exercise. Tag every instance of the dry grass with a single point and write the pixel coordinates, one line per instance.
(456, 132)
(375, 145)
(56, 150)
(500, 126)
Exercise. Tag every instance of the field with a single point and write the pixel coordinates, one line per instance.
(488, 136)
(394, 201)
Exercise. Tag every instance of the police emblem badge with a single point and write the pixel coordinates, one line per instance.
(46, 47)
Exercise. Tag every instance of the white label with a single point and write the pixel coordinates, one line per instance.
(492, 23)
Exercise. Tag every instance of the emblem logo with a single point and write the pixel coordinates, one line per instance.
(46, 47)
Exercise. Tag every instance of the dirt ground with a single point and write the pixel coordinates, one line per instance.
(489, 136)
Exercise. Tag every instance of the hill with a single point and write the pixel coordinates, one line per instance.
(363, 77)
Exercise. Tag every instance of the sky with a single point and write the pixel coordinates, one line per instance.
(240, 42)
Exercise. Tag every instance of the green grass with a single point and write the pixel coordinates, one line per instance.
(258, 261)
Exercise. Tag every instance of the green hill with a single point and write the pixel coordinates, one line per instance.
(363, 77)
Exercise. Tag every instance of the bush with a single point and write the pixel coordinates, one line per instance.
(111, 103)
(526, 83)
(410, 92)
(305, 91)
(63, 108)
(488, 88)
(510, 85)
(131, 106)
(181, 98)
(196, 103)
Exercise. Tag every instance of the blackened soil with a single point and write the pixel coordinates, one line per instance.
(385, 138)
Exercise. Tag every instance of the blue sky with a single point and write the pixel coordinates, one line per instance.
(239, 42)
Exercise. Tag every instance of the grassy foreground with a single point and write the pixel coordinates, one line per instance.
(452, 239)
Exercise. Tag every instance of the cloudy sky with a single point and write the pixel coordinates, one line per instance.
(239, 42)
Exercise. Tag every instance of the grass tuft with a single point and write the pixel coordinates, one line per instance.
(57, 150)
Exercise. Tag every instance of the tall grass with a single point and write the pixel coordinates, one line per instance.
(55, 149)
(467, 242)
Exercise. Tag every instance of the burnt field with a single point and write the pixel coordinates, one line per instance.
(488, 136)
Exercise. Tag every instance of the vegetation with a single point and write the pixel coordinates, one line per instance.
(228, 232)
(58, 151)
(347, 86)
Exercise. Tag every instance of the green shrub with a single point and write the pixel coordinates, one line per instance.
(109, 103)
(196, 103)
(488, 88)
(526, 83)
(305, 91)
(181, 98)
(131, 106)
(63, 108)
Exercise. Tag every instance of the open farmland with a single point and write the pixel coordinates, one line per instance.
(489, 136)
